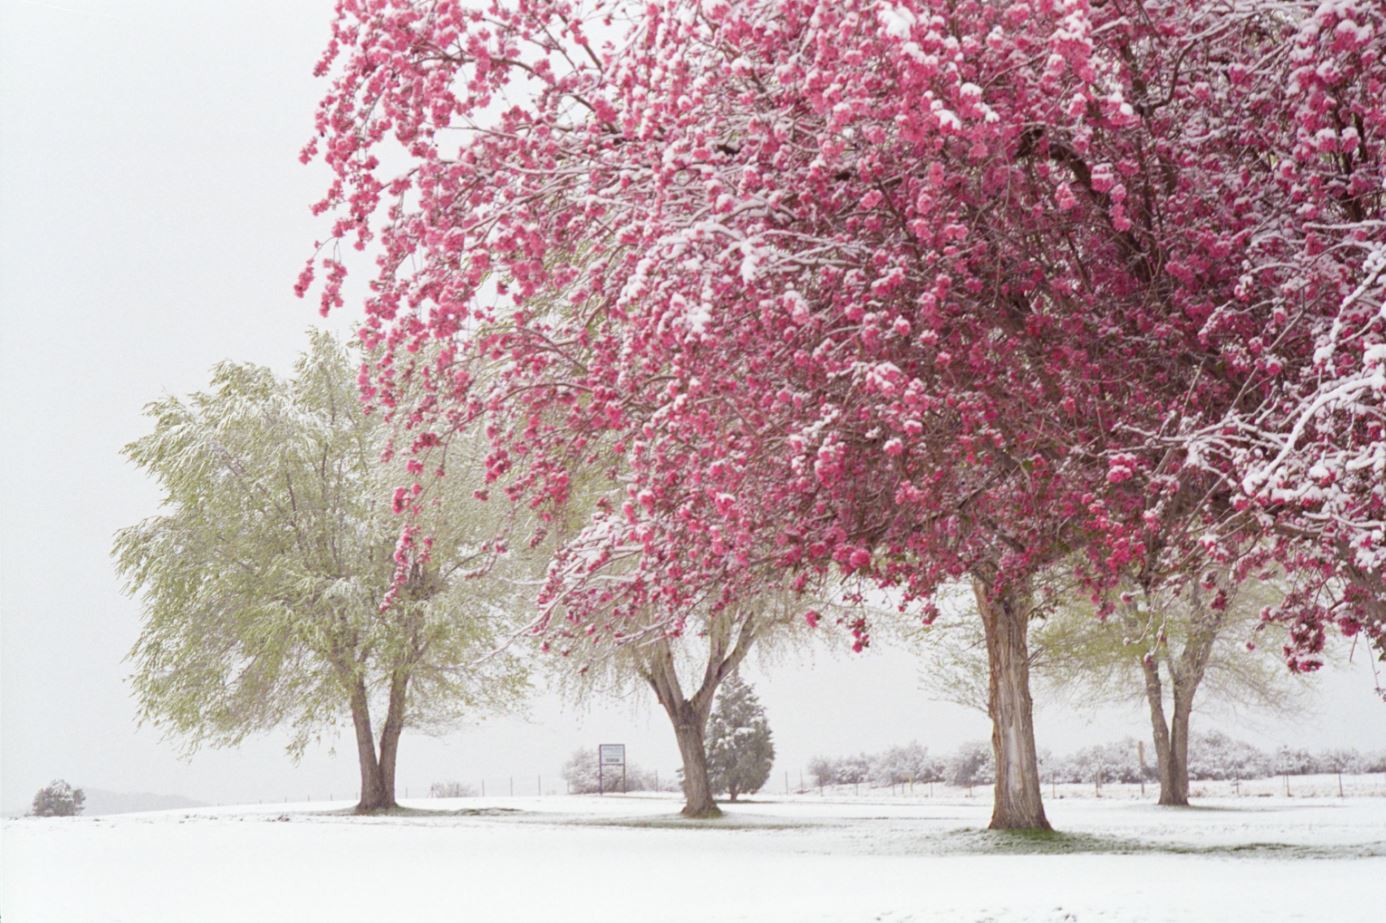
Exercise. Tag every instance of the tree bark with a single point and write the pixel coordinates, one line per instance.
(689, 715)
(1186, 673)
(1005, 619)
(1174, 771)
(1176, 793)
(372, 790)
(1192, 665)
(389, 738)
(697, 791)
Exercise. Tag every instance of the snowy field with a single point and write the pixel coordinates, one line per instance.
(630, 858)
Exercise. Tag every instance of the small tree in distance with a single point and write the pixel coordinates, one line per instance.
(58, 799)
(740, 748)
(973, 764)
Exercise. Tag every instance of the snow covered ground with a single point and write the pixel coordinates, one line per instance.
(630, 858)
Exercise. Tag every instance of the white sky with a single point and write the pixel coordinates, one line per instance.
(153, 217)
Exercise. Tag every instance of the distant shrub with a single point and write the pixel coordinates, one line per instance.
(451, 790)
(1118, 761)
(841, 770)
(905, 765)
(1373, 762)
(580, 772)
(823, 771)
(973, 764)
(58, 799)
(1216, 756)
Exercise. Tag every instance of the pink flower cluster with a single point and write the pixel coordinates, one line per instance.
(906, 291)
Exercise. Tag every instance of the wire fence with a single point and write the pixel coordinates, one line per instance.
(792, 783)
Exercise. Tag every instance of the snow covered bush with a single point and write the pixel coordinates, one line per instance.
(580, 772)
(905, 764)
(1373, 762)
(973, 764)
(58, 799)
(823, 771)
(841, 770)
(1118, 761)
(1294, 761)
(1216, 756)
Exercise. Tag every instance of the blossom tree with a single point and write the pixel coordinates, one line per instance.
(1309, 453)
(908, 293)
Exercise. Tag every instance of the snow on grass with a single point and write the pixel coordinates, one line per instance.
(619, 858)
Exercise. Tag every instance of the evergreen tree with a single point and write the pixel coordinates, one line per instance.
(740, 750)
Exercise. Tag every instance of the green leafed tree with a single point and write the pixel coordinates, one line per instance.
(740, 747)
(1163, 644)
(265, 575)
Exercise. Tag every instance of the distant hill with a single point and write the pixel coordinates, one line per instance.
(100, 801)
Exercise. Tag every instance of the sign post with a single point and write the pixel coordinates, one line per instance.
(610, 757)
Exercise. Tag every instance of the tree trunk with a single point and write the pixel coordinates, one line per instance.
(1177, 791)
(372, 790)
(697, 791)
(1005, 618)
(1186, 673)
(689, 715)
(1174, 771)
(389, 739)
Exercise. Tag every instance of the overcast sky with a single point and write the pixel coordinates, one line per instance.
(153, 216)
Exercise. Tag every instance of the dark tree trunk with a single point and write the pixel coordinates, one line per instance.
(1171, 761)
(372, 789)
(1171, 732)
(1175, 789)
(389, 739)
(1005, 618)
